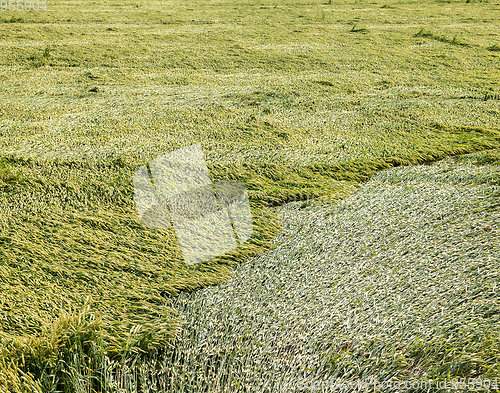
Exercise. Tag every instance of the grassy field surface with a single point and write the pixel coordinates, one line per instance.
(294, 99)
(399, 281)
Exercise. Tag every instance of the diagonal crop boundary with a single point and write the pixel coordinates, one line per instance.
(45, 351)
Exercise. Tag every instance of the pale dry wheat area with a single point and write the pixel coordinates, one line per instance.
(367, 135)
(399, 281)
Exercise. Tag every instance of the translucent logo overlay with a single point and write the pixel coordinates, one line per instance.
(209, 219)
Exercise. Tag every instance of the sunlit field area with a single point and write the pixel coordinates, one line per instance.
(367, 135)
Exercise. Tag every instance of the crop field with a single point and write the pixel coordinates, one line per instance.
(367, 134)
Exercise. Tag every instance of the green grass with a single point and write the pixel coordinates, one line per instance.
(282, 97)
(6, 175)
(358, 30)
(428, 34)
(396, 282)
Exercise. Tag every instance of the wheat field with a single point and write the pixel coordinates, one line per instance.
(303, 102)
